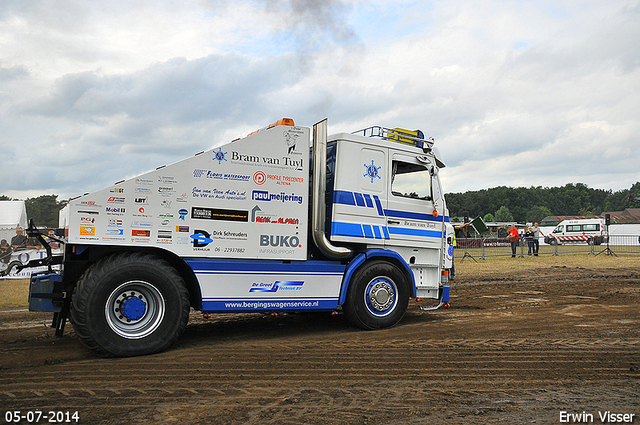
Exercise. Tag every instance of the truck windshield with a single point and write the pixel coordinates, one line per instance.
(411, 181)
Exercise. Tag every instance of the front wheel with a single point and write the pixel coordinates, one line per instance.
(130, 304)
(378, 296)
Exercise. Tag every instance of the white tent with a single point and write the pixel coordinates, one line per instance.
(13, 214)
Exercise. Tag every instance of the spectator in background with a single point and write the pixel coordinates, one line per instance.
(51, 240)
(514, 238)
(33, 243)
(536, 239)
(528, 236)
(5, 251)
(19, 241)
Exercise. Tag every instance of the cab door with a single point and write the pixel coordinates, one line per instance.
(410, 206)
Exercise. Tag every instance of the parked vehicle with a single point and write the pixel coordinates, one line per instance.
(590, 231)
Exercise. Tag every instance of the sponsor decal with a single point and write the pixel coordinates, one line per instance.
(197, 173)
(116, 190)
(286, 285)
(141, 200)
(276, 220)
(141, 233)
(183, 213)
(142, 190)
(263, 195)
(228, 195)
(87, 220)
(164, 236)
(219, 156)
(141, 224)
(284, 180)
(259, 177)
(87, 231)
(200, 173)
(291, 139)
(166, 190)
(116, 200)
(165, 215)
(182, 240)
(283, 162)
(202, 238)
(219, 214)
(88, 204)
(146, 182)
(183, 198)
(165, 203)
(182, 229)
(115, 210)
(372, 171)
(114, 232)
(280, 241)
(257, 216)
(167, 180)
(114, 222)
(141, 210)
(89, 212)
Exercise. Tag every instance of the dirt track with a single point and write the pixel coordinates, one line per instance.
(515, 350)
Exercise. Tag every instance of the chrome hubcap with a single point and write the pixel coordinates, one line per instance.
(381, 296)
(135, 309)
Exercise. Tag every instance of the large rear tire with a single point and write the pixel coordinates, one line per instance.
(130, 304)
(378, 296)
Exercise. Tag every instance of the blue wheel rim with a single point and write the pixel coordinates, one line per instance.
(381, 296)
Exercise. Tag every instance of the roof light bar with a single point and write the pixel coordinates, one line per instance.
(399, 135)
(282, 121)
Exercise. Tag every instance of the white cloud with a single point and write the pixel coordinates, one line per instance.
(515, 93)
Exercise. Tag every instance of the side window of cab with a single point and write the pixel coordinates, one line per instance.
(411, 181)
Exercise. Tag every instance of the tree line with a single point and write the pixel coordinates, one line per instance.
(42, 209)
(520, 204)
(532, 204)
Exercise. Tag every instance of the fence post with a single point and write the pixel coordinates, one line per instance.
(482, 242)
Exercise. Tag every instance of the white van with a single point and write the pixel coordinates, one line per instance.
(589, 231)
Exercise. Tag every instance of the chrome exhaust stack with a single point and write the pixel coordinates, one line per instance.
(319, 208)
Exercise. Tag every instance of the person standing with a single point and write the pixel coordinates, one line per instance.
(514, 238)
(536, 239)
(452, 272)
(528, 236)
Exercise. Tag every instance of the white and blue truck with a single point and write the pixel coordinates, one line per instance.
(283, 220)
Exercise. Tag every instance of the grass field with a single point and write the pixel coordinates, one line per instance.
(15, 292)
(497, 266)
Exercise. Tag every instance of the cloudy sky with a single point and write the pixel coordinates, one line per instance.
(515, 93)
